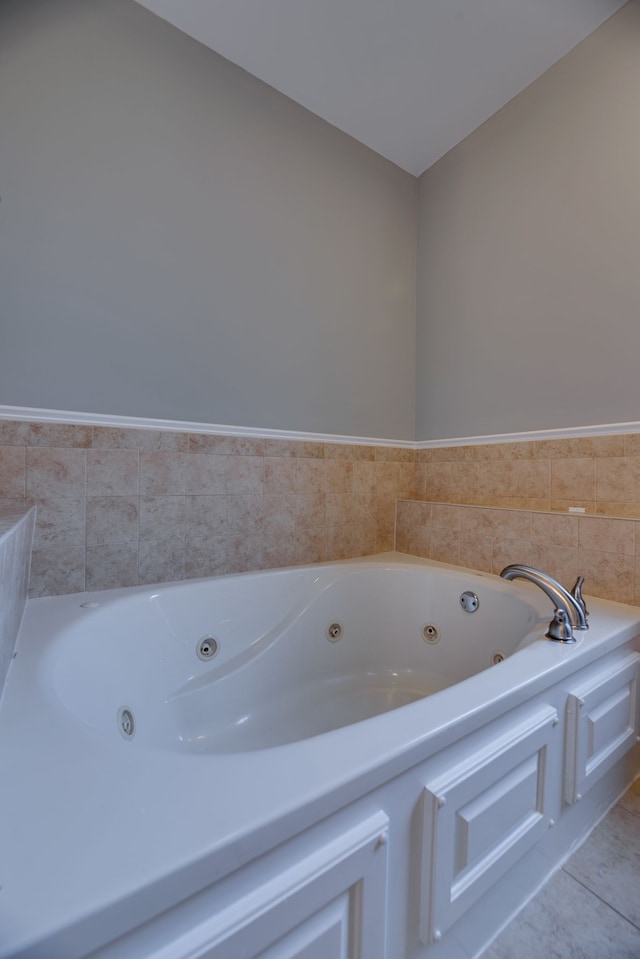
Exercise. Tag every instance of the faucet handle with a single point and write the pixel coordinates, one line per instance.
(560, 628)
(576, 592)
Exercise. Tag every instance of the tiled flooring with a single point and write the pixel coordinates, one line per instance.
(590, 909)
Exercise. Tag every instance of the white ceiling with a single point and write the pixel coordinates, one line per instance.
(409, 78)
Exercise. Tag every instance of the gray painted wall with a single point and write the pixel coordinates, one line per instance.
(528, 295)
(179, 240)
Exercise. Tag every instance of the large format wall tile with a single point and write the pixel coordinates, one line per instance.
(52, 471)
(119, 507)
(600, 474)
(605, 551)
(192, 504)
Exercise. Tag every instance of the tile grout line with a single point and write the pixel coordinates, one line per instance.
(631, 812)
(603, 901)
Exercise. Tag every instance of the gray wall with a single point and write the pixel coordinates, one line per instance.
(529, 254)
(179, 240)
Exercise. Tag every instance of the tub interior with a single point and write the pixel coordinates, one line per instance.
(298, 653)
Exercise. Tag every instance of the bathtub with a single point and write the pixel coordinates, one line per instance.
(379, 758)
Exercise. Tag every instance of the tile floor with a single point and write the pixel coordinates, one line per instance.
(590, 908)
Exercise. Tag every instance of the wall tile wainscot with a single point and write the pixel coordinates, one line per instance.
(488, 505)
(124, 507)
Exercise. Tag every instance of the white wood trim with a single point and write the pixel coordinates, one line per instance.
(32, 414)
(600, 429)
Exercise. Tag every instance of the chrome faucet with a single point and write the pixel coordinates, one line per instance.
(570, 610)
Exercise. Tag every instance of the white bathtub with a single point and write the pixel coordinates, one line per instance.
(347, 773)
(275, 676)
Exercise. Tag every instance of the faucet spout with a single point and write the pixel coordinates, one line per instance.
(570, 612)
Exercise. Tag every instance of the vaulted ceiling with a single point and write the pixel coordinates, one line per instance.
(408, 78)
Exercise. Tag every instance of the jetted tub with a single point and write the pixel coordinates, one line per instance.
(245, 663)
(362, 759)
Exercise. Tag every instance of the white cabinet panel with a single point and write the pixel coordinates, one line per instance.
(602, 723)
(324, 934)
(481, 815)
(329, 904)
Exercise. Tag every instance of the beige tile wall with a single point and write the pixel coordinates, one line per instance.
(601, 474)
(489, 505)
(606, 551)
(16, 537)
(121, 507)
